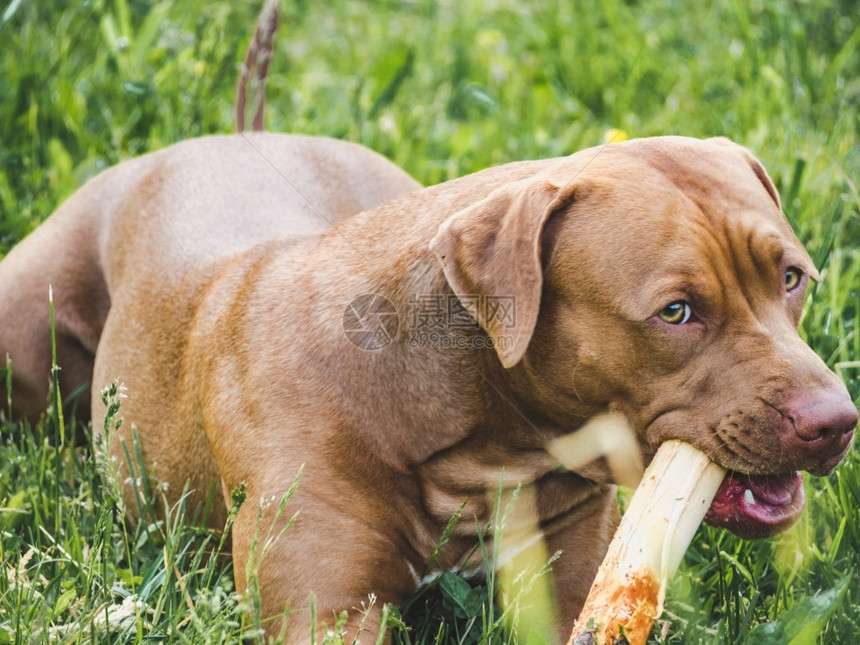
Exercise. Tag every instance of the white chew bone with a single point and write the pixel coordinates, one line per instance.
(665, 511)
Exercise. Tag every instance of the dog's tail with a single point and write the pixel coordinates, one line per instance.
(255, 67)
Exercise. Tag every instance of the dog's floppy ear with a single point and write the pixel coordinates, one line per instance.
(491, 249)
(765, 179)
(756, 166)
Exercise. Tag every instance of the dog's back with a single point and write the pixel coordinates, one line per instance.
(176, 214)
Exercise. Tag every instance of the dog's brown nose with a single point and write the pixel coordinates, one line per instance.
(823, 417)
(823, 424)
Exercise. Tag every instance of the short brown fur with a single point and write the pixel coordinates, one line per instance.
(214, 279)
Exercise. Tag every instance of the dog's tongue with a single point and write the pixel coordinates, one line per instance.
(756, 506)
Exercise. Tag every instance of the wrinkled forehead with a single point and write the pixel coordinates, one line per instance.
(673, 212)
(715, 175)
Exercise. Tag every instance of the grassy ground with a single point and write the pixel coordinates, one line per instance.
(442, 88)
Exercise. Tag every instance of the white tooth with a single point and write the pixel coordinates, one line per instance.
(749, 498)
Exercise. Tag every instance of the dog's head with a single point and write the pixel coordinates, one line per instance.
(659, 278)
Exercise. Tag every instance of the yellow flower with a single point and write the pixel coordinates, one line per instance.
(614, 136)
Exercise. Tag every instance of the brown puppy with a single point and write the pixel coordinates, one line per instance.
(656, 278)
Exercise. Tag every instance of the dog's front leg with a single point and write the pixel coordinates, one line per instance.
(326, 562)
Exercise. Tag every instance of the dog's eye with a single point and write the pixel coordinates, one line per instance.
(792, 278)
(676, 313)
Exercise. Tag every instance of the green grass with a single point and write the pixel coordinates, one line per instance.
(441, 88)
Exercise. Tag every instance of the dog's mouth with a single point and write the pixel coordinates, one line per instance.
(757, 506)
